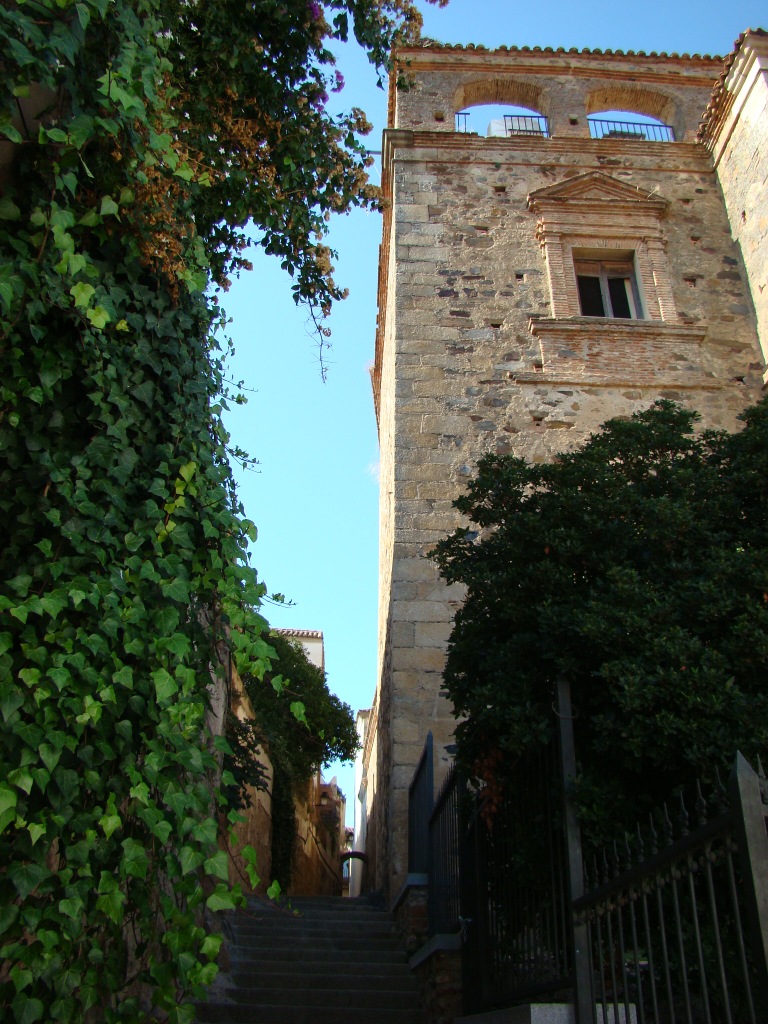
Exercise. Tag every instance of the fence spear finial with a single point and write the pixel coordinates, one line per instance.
(683, 816)
(701, 805)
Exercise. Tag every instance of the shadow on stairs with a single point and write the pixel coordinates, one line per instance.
(313, 960)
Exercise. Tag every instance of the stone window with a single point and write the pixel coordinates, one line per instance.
(592, 226)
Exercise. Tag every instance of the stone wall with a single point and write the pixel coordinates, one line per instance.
(736, 131)
(256, 828)
(474, 353)
(319, 838)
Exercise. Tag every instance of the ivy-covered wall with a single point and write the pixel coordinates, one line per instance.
(140, 139)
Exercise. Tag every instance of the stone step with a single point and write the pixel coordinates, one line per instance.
(300, 1014)
(254, 941)
(243, 953)
(342, 998)
(319, 962)
(375, 975)
(364, 919)
(301, 926)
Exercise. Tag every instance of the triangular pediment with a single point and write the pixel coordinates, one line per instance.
(595, 187)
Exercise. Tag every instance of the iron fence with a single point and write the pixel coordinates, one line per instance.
(421, 796)
(443, 895)
(599, 128)
(667, 927)
(516, 899)
(666, 913)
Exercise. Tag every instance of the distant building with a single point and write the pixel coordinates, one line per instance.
(567, 267)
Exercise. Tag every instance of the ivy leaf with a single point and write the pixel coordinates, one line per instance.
(299, 712)
(165, 685)
(22, 778)
(222, 744)
(31, 676)
(8, 799)
(110, 823)
(184, 1014)
(82, 294)
(8, 209)
(190, 859)
(124, 677)
(135, 859)
(220, 899)
(49, 755)
(144, 392)
(71, 907)
(211, 946)
(176, 590)
(27, 1010)
(108, 207)
(179, 645)
(53, 604)
(274, 890)
(218, 865)
(8, 914)
(112, 900)
(98, 317)
(10, 701)
(36, 832)
(26, 876)
(80, 130)
(167, 619)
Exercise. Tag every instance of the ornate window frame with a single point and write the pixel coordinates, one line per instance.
(596, 212)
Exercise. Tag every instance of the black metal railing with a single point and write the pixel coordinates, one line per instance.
(421, 797)
(514, 124)
(526, 124)
(668, 927)
(516, 897)
(599, 128)
(666, 914)
(443, 896)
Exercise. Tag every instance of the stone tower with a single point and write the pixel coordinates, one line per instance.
(533, 284)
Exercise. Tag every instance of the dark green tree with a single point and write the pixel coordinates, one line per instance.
(636, 567)
(139, 141)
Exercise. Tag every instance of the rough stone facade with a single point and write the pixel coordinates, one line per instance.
(734, 131)
(481, 345)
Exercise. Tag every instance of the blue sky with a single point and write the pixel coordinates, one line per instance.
(314, 497)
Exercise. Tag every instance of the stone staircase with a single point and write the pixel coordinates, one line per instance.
(323, 961)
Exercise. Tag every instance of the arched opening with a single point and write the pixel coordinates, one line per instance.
(500, 107)
(631, 113)
(501, 120)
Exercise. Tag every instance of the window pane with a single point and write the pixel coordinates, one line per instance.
(590, 296)
(617, 289)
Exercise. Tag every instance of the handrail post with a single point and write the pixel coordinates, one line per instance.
(752, 839)
(584, 999)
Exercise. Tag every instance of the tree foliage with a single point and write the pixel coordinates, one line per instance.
(140, 137)
(637, 568)
(303, 726)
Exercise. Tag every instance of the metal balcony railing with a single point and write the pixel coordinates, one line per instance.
(599, 128)
(526, 124)
(514, 124)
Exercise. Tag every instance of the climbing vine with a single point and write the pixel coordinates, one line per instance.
(139, 139)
